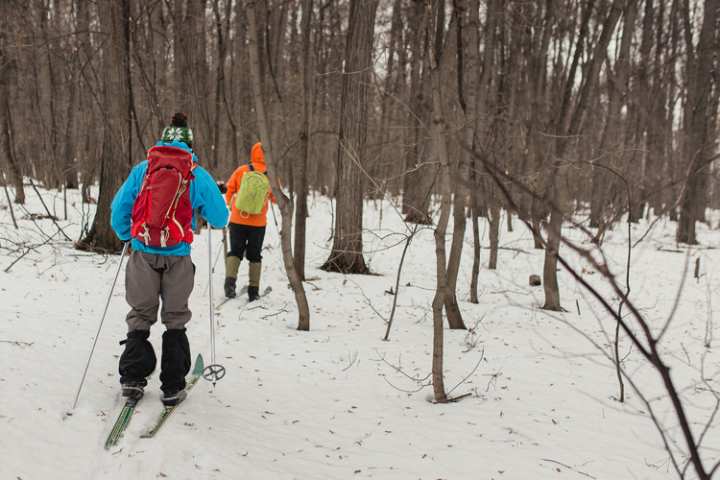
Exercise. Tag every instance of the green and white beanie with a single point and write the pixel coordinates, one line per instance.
(181, 134)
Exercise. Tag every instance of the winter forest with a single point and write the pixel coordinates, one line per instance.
(486, 244)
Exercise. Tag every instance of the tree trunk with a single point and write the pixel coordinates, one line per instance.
(612, 143)
(418, 178)
(70, 174)
(346, 255)
(572, 125)
(286, 207)
(438, 132)
(54, 173)
(8, 65)
(476, 258)
(494, 220)
(114, 165)
(454, 316)
(697, 122)
(301, 189)
(469, 74)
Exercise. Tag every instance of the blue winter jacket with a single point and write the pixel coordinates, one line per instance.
(204, 196)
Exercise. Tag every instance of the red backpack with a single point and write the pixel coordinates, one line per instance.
(162, 213)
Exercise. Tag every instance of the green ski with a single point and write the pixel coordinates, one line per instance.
(121, 423)
(195, 375)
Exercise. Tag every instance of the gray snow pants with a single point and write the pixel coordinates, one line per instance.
(149, 278)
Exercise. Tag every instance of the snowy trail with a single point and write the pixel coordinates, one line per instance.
(318, 405)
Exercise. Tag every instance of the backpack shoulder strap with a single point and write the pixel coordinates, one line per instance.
(251, 167)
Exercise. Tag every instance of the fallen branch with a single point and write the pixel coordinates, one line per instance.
(568, 467)
(269, 315)
(28, 250)
(18, 343)
(50, 215)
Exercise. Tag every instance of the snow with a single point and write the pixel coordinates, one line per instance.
(329, 404)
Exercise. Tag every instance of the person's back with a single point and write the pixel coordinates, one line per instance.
(247, 230)
(160, 265)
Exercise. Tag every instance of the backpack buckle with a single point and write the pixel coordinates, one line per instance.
(145, 234)
(164, 235)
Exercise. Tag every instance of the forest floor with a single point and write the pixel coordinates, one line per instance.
(332, 403)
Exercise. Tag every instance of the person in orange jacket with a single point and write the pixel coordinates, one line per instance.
(247, 231)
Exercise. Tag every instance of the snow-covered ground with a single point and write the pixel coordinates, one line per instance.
(329, 404)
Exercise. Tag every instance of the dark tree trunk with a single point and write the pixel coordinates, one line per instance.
(346, 255)
(301, 190)
(697, 122)
(114, 159)
(8, 73)
(418, 177)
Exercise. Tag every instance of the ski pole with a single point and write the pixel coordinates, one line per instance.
(213, 372)
(102, 320)
(210, 289)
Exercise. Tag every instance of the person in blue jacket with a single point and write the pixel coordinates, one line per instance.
(155, 273)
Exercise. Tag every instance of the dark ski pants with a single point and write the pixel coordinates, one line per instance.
(148, 279)
(247, 241)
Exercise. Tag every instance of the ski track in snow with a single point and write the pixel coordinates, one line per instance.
(316, 405)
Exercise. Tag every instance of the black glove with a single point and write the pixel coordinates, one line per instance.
(222, 187)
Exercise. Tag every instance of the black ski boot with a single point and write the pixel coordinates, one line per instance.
(230, 287)
(133, 390)
(170, 399)
(253, 294)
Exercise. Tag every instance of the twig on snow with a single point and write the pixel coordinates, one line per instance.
(472, 372)
(50, 215)
(568, 467)
(18, 343)
(28, 250)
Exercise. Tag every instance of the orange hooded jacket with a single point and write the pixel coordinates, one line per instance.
(257, 158)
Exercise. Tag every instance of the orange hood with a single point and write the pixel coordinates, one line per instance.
(257, 157)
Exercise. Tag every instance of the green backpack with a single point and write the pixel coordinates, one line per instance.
(254, 189)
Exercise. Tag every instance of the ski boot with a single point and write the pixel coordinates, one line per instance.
(230, 287)
(170, 399)
(133, 390)
(253, 294)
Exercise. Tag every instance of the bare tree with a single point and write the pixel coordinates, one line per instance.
(285, 203)
(114, 160)
(439, 133)
(699, 117)
(8, 76)
(301, 190)
(346, 255)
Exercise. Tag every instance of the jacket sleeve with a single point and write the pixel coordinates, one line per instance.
(233, 185)
(271, 196)
(208, 199)
(122, 204)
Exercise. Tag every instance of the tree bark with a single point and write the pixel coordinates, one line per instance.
(697, 122)
(438, 133)
(8, 73)
(346, 255)
(418, 177)
(286, 207)
(469, 74)
(114, 167)
(301, 190)
(612, 143)
(572, 124)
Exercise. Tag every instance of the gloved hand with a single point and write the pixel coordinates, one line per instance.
(222, 187)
